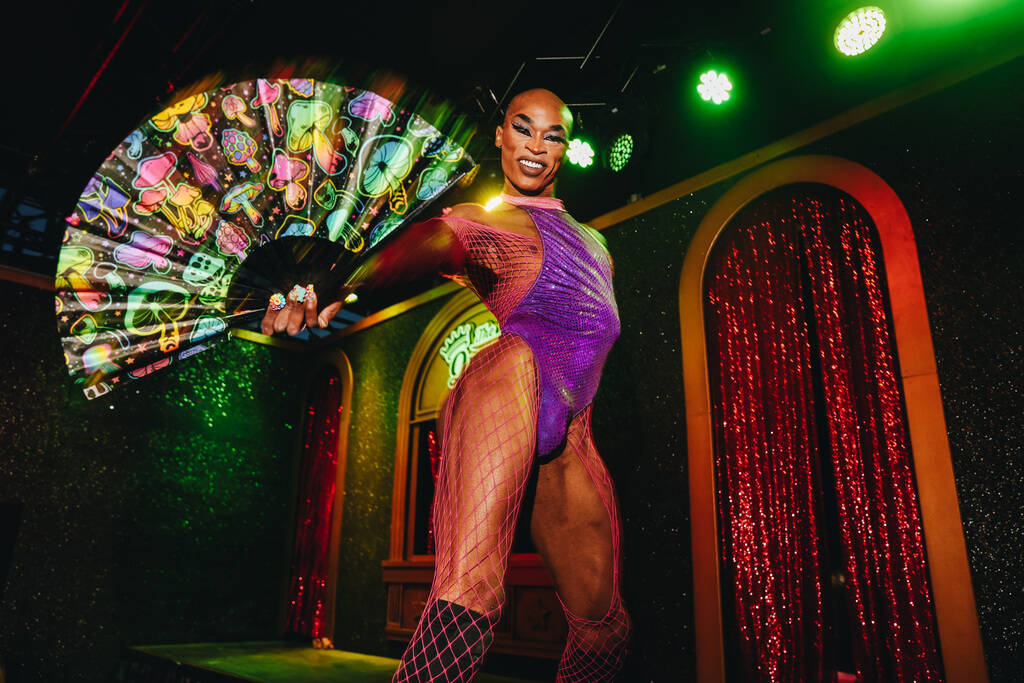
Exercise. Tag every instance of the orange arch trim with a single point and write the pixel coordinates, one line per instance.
(955, 608)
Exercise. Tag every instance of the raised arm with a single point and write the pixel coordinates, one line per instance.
(422, 248)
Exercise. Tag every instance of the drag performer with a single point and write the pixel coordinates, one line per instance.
(520, 409)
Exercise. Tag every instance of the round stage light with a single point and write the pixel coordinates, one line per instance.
(714, 87)
(580, 153)
(620, 152)
(860, 30)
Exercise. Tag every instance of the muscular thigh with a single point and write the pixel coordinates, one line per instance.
(571, 524)
(488, 439)
(492, 410)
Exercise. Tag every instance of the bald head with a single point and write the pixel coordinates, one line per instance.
(533, 139)
(543, 98)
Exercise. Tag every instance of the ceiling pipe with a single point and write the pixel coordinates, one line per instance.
(601, 35)
(499, 102)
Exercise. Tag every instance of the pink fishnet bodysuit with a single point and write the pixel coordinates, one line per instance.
(489, 428)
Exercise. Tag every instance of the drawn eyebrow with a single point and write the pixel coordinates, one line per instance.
(526, 118)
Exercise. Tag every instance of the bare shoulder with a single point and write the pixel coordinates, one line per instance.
(503, 217)
(469, 211)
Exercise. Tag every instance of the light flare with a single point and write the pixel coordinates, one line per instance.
(860, 30)
(580, 153)
(714, 87)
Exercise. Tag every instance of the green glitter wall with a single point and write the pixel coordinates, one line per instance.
(155, 516)
(379, 357)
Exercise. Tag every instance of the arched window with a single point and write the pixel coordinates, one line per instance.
(741, 320)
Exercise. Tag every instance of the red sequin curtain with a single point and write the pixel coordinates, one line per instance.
(434, 451)
(314, 509)
(809, 422)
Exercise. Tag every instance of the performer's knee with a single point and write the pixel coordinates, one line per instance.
(607, 634)
(595, 651)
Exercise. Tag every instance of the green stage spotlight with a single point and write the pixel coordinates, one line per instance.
(580, 153)
(620, 152)
(714, 87)
(860, 30)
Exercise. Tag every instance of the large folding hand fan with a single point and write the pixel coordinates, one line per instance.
(306, 177)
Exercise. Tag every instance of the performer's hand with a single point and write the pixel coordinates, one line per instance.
(297, 310)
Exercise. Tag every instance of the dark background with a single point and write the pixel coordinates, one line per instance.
(161, 516)
(81, 76)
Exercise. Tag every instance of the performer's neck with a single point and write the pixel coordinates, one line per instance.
(550, 203)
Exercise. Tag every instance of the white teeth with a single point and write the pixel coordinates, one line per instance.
(530, 164)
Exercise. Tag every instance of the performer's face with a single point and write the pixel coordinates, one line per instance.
(533, 140)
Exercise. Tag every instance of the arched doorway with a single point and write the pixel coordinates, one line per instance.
(319, 485)
(925, 425)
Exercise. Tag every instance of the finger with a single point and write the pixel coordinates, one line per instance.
(295, 317)
(267, 324)
(310, 302)
(328, 314)
(284, 315)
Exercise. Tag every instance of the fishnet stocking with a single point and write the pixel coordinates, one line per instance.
(575, 524)
(489, 426)
(595, 649)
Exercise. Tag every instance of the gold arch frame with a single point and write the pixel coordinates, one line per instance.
(955, 608)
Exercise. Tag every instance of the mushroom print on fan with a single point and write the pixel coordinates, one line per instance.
(228, 195)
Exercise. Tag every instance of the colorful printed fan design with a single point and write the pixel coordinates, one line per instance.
(150, 271)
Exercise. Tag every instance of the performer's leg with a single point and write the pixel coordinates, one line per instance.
(575, 526)
(489, 436)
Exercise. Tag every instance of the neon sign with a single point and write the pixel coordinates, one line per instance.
(463, 342)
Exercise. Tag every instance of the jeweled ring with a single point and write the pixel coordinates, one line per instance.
(297, 294)
(277, 301)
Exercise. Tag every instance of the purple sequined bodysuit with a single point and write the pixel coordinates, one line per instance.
(567, 316)
(569, 319)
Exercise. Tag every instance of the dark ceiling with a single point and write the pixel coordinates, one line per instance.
(85, 73)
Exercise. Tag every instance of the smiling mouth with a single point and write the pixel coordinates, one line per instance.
(531, 167)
